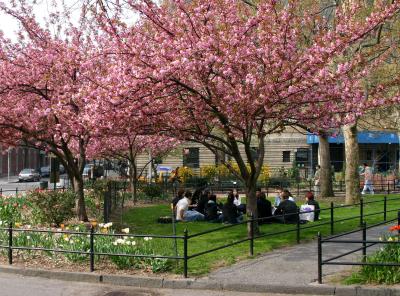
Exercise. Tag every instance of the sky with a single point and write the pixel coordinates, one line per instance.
(42, 9)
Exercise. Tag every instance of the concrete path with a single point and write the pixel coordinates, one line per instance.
(16, 285)
(293, 265)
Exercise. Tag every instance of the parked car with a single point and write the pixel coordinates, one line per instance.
(87, 170)
(29, 175)
(45, 171)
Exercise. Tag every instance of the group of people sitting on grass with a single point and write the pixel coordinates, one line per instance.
(202, 205)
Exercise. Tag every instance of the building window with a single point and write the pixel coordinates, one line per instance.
(219, 157)
(158, 160)
(191, 157)
(254, 153)
(368, 155)
(285, 156)
(302, 156)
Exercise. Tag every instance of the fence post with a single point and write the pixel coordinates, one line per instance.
(251, 234)
(364, 238)
(16, 192)
(384, 208)
(10, 243)
(332, 218)
(319, 259)
(91, 248)
(388, 187)
(361, 212)
(298, 226)
(398, 221)
(1, 191)
(185, 253)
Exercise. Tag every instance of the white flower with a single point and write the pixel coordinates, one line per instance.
(1, 223)
(108, 225)
(125, 237)
(120, 241)
(66, 238)
(77, 228)
(133, 243)
(71, 241)
(128, 243)
(28, 237)
(125, 230)
(115, 243)
(28, 226)
(101, 225)
(148, 238)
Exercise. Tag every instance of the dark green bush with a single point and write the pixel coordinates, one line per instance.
(152, 191)
(52, 206)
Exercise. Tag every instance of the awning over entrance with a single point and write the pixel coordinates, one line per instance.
(365, 137)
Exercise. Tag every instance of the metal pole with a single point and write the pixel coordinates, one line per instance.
(364, 238)
(251, 234)
(174, 230)
(8, 164)
(398, 221)
(10, 243)
(91, 248)
(388, 188)
(319, 259)
(16, 192)
(185, 251)
(298, 226)
(332, 218)
(361, 212)
(384, 207)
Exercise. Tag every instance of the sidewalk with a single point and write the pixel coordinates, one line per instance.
(296, 265)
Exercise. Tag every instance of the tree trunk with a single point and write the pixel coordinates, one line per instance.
(352, 178)
(133, 180)
(325, 163)
(80, 201)
(251, 206)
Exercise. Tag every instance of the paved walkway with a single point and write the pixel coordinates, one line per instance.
(293, 265)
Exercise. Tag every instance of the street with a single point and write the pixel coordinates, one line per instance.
(16, 285)
(12, 186)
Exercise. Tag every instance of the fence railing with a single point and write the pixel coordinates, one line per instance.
(365, 244)
(297, 229)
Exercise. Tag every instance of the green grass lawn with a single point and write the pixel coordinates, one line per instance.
(143, 220)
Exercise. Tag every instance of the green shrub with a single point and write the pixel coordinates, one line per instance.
(152, 191)
(389, 253)
(53, 206)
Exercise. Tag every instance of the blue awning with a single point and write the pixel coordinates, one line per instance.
(364, 137)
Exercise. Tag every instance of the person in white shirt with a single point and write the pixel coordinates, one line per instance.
(368, 178)
(182, 210)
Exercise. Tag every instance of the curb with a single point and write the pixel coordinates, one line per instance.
(201, 283)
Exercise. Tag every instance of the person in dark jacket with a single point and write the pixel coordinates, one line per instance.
(177, 198)
(287, 208)
(264, 207)
(230, 212)
(203, 200)
(312, 202)
(211, 210)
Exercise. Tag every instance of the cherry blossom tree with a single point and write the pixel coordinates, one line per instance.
(47, 84)
(230, 74)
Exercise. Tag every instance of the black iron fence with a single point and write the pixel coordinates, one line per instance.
(297, 229)
(365, 244)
